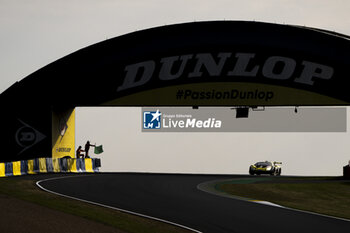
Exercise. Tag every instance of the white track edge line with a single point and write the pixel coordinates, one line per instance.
(321, 215)
(110, 207)
(257, 202)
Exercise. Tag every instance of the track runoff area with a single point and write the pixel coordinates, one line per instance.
(188, 201)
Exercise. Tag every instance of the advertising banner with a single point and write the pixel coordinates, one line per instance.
(63, 133)
(220, 119)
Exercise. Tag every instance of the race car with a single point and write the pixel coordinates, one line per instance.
(271, 168)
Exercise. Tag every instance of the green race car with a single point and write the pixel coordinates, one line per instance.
(271, 168)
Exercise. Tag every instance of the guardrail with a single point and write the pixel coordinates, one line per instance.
(49, 165)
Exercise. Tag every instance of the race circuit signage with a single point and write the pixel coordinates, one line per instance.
(206, 64)
(227, 65)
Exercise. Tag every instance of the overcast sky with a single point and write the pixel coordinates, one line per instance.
(35, 33)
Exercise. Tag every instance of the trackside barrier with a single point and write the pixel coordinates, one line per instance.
(2, 169)
(30, 164)
(49, 165)
(16, 168)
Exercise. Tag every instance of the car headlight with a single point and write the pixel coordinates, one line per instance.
(268, 168)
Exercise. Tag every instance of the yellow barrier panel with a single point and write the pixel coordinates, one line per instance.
(88, 165)
(42, 165)
(56, 165)
(72, 165)
(31, 167)
(2, 169)
(16, 168)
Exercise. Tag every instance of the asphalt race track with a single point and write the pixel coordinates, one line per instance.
(176, 198)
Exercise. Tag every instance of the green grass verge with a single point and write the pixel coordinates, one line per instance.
(26, 190)
(330, 198)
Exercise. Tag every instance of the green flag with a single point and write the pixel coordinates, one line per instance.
(98, 149)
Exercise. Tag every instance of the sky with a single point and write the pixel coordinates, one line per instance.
(35, 33)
